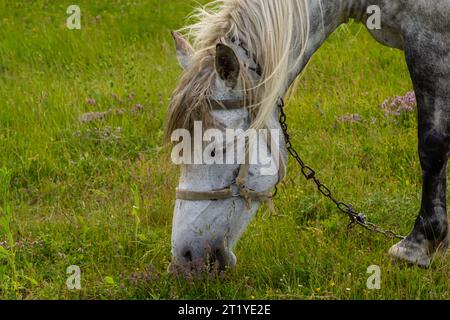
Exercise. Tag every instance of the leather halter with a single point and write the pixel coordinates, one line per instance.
(238, 189)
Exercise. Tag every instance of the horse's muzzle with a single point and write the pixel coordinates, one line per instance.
(200, 255)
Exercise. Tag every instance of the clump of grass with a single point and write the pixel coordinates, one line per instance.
(8, 249)
(135, 211)
(197, 270)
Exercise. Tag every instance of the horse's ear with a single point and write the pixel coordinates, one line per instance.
(227, 65)
(184, 50)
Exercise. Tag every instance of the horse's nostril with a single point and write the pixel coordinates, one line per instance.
(218, 256)
(188, 255)
(217, 253)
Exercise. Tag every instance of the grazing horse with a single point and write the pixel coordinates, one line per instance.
(244, 56)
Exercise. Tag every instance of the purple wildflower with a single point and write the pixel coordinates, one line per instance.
(94, 116)
(91, 102)
(400, 104)
(117, 98)
(350, 118)
(139, 107)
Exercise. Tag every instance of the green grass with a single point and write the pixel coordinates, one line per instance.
(101, 195)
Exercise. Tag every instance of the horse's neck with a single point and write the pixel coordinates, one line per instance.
(325, 17)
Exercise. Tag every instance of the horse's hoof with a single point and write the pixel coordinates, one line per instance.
(418, 254)
(412, 253)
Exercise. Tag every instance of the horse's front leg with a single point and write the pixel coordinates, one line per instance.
(430, 234)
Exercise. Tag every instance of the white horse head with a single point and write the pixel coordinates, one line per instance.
(233, 58)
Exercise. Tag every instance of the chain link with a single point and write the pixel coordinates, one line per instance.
(356, 218)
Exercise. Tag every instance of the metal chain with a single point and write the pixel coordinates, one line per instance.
(356, 218)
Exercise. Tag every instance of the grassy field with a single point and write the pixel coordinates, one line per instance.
(99, 195)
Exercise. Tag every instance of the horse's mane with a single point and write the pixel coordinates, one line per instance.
(270, 30)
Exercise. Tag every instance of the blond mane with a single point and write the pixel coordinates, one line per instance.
(270, 30)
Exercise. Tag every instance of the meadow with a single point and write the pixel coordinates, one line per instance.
(85, 178)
